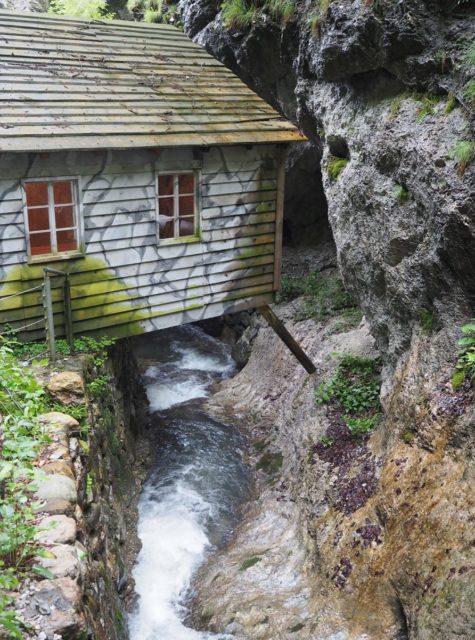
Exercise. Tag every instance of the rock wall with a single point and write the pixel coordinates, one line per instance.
(88, 496)
(349, 537)
(400, 211)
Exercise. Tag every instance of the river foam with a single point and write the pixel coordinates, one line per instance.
(190, 501)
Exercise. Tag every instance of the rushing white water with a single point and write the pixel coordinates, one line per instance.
(189, 503)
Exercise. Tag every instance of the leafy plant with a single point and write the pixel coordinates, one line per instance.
(354, 389)
(8, 617)
(326, 441)
(463, 152)
(93, 9)
(335, 167)
(359, 426)
(465, 367)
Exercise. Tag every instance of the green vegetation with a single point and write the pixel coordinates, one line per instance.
(93, 9)
(323, 297)
(463, 153)
(354, 389)
(335, 167)
(451, 104)
(468, 55)
(426, 320)
(469, 93)
(82, 344)
(427, 104)
(155, 11)
(249, 562)
(326, 441)
(408, 437)
(465, 367)
(401, 193)
(240, 14)
(21, 438)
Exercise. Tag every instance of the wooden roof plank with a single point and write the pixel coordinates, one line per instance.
(69, 83)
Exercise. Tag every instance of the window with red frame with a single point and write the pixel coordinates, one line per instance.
(176, 206)
(52, 217)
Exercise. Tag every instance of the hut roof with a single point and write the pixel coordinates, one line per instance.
(70, 83)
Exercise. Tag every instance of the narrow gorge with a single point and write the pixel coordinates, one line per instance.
(217, 491)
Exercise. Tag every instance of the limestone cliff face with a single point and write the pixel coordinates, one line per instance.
(380, 87)
(401, 213)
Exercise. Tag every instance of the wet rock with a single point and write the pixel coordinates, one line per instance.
(67, 387)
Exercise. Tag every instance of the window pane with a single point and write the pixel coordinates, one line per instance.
(165, 206)
(186, 183)
(63, 192)
(64, 217)
(40, 243)
(165, 185)
(66, 240)
(165, 227)
(38, 219)
(36, 194)
(186, 205)
(187, 227)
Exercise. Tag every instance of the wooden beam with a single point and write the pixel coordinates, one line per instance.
(279, 216)
(287, 338)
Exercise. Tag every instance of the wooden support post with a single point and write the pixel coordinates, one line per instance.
(279, 214)
(49, 314)
(68, 316)
(286, 337)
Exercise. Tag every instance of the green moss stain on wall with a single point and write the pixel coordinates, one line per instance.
(96, 293)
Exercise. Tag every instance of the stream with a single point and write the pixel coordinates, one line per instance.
(191, 499)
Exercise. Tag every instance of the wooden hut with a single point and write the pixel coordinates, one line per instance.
(135, 162)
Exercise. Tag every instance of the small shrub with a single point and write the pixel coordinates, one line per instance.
(408, 437)
(463, 153)
(465, 367)
(335, 167)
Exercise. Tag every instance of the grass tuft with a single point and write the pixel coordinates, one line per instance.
(463, 152)
(335, 167)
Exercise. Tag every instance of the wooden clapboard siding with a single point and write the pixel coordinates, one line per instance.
(127, 282)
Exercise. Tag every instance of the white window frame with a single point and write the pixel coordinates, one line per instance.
(78, 219)
(177, 239)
